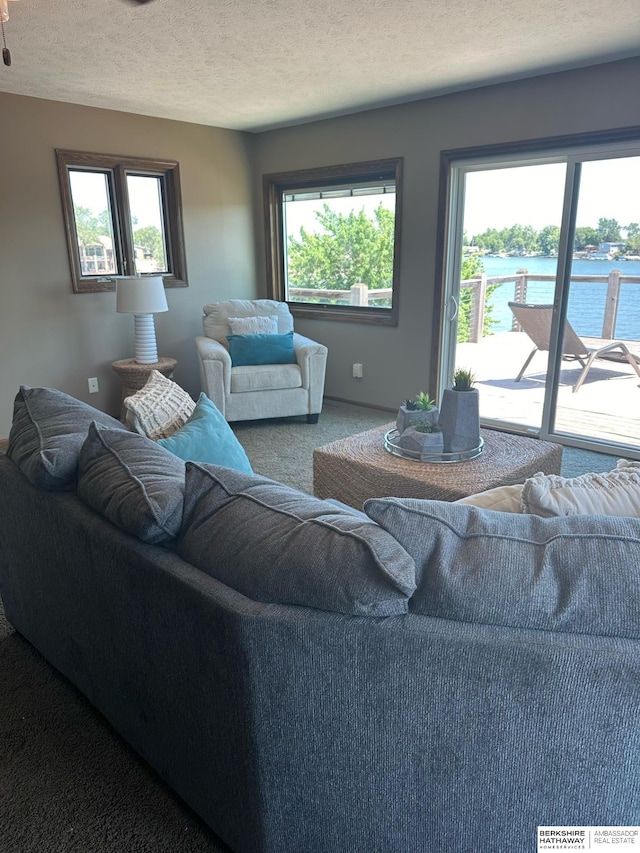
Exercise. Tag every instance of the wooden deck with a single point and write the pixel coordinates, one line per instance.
(605, 409)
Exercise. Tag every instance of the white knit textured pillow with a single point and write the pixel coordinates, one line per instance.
(253, 325)
(160, 408)
(614, 493)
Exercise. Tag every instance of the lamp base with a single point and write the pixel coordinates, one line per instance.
(146, 348)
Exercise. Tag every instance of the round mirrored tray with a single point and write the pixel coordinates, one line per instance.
(391, 445)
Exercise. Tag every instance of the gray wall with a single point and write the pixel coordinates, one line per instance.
(50, 336)
(397, 360)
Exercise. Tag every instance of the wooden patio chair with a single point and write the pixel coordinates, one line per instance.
(535, 320)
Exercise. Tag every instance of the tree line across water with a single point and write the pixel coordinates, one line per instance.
(525, 240)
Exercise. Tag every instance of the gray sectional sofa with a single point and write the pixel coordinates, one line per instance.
(419, 677)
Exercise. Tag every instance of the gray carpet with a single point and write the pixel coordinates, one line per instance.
(283, 449)
(68, 783)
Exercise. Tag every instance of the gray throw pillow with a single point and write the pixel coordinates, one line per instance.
(131, 481)
(47, 433)
(275, 544)
(579, 574)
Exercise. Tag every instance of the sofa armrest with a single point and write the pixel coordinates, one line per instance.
(312, 359)
(215, 370)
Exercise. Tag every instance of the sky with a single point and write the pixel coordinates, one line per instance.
(90, 190)
(301, 213)
(533, 195)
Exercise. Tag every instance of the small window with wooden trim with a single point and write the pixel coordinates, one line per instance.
(123, 216)
(333, 240)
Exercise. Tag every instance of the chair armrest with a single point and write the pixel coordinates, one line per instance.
(215, 370)
(305, 347)
(210, 348)
(312, 359)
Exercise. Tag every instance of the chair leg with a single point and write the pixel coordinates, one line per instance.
(623, 349)
(526, 364)
(632, 361)
(583, 375)
(313, 419)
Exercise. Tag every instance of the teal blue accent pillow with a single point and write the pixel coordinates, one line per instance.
(261, 349)
(207, 437)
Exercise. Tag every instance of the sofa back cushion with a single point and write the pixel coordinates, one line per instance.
(48, 430)
(215, 322)
(579, 574)
(275, 544)
(133, 482)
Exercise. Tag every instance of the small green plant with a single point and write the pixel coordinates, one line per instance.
(427, 427)
(463, 380)
(424, 402)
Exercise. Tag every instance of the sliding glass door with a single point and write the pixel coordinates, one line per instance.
(542, 292)
(599, 399)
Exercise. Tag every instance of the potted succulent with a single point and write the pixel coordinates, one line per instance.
(460, 413)
(422, 438)
(421, 409)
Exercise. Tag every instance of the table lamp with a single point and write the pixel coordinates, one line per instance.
(142, 296)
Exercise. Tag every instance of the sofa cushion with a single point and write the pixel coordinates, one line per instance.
(578, 574)
(253, 325)
(207, 437)
(500, 499)
(159, 408)
(265, 377)
(614, 493)
(215, 323)
(47, 433)
(261, 349)
(276, 544)
(133, 482)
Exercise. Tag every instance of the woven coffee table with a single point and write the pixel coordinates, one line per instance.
(356, 468)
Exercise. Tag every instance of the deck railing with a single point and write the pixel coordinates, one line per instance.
(361, 295)
(521, 281)
(357, 294)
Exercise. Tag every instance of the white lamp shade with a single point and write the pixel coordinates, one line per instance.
(141, 295)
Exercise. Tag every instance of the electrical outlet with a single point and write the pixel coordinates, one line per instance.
(357, 371)
(93, 385)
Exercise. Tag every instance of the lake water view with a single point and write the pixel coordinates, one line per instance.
(586, 299)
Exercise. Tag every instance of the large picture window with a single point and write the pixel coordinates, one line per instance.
(333, 240)
(122, 216)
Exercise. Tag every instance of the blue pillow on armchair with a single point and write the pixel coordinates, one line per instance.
(207, 437)
(261, 349)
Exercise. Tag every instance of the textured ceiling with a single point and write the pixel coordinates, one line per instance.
(255, 64)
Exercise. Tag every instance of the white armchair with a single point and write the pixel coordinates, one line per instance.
(250, 392)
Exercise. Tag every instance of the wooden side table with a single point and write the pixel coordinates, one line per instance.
(134, 376)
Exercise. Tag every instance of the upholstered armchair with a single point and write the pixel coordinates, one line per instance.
(252, 391)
